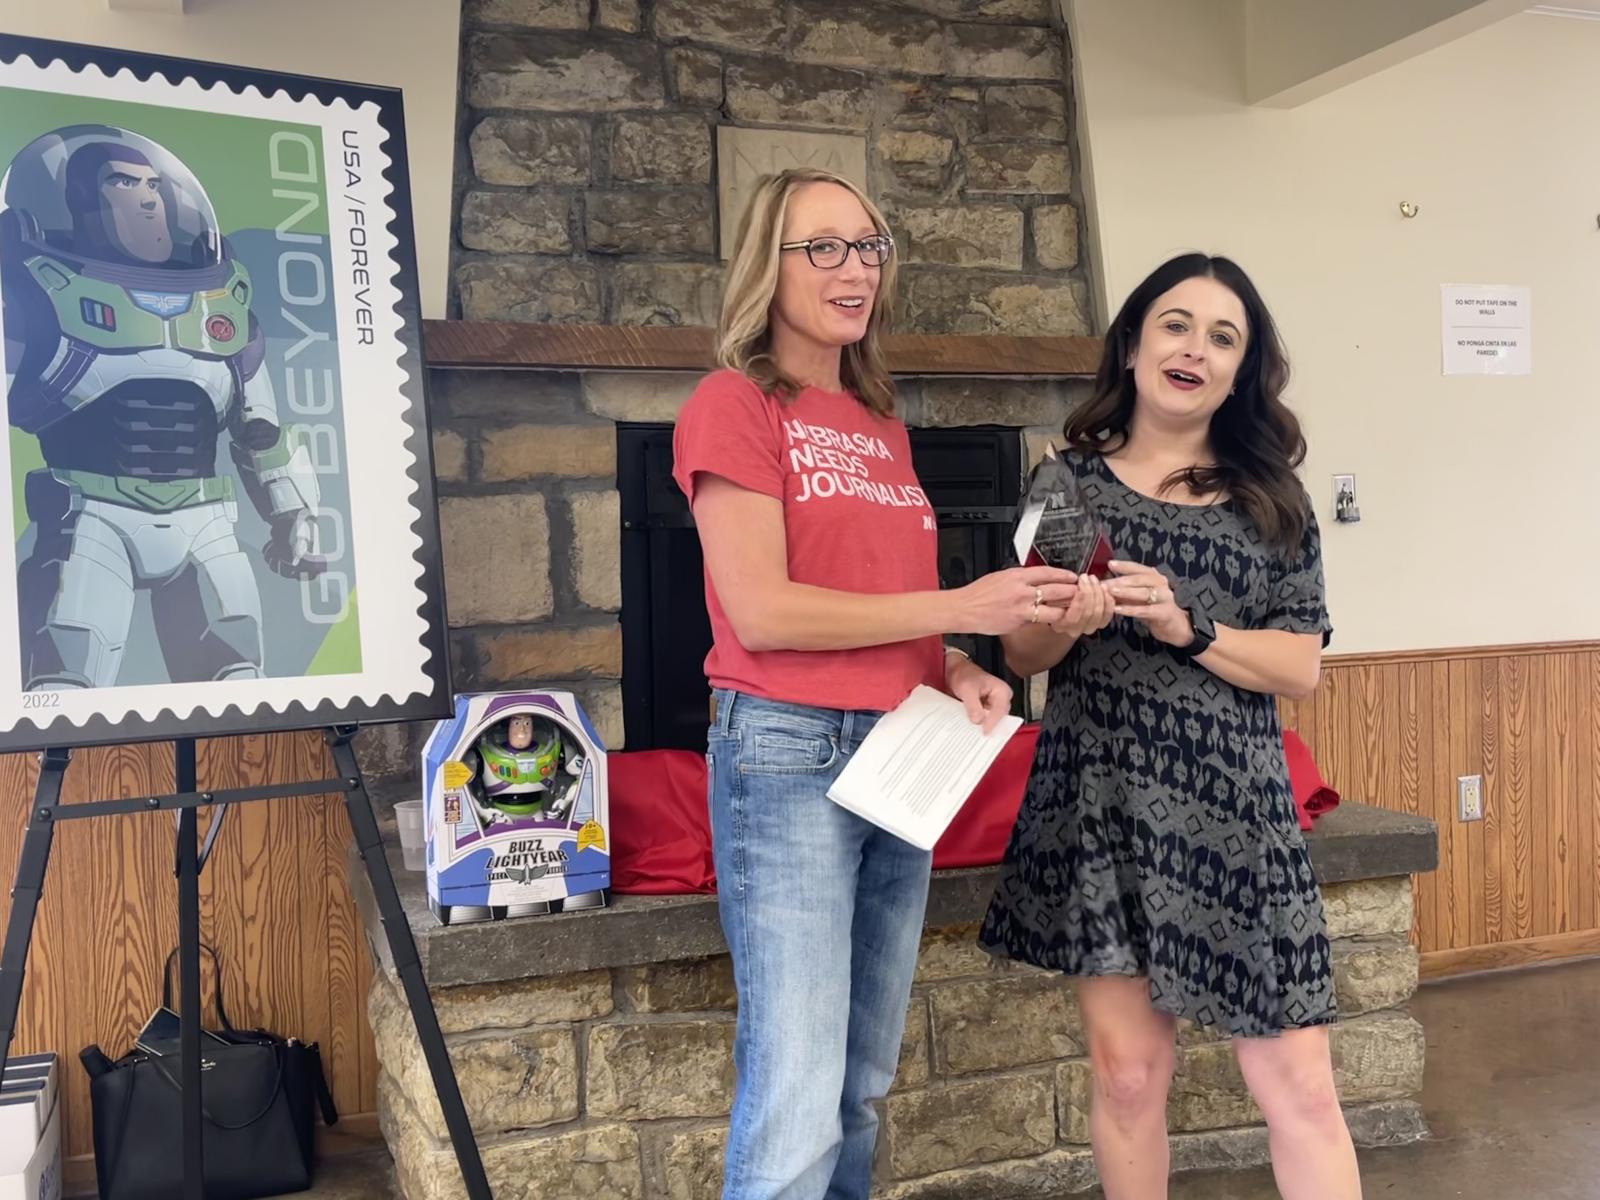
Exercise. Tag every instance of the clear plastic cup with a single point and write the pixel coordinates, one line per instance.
(408, 815)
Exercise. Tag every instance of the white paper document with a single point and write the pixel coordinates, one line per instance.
(915, 770)
(1488, 330)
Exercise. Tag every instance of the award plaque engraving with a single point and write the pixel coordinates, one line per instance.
(1056, 527)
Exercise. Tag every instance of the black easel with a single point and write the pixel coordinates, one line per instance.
(35, 857)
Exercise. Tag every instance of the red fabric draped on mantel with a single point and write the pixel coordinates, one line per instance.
(661, 839)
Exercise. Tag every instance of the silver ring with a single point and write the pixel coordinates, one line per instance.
(1155, 596)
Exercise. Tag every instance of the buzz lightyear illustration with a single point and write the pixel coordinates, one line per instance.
(131, 352)
(523, 767)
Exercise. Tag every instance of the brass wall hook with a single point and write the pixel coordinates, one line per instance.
(1408, 209)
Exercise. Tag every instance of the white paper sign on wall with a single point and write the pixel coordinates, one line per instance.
(1488, 329)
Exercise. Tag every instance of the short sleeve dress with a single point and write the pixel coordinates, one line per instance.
(1158, 835)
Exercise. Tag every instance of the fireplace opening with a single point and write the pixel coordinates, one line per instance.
(973, 477)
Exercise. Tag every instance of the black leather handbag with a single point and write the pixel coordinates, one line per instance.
(258, 1097)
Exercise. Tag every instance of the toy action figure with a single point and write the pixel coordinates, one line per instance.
(520, 771)
(131, 351)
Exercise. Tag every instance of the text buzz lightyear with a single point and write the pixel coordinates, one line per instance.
(525, 860)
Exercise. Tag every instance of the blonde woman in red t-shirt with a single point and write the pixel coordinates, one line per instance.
(823, 592)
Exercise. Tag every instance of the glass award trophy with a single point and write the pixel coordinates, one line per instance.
(1056, 527)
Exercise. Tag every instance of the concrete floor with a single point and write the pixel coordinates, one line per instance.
(366, 1176)
(1512, 1095)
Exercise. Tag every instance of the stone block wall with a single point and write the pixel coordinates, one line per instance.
(588, 174)
(530, 526)
(616, 1084)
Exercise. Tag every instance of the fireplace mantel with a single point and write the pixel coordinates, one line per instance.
(688, 348)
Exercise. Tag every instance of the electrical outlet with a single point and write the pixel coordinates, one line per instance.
(1469, 792)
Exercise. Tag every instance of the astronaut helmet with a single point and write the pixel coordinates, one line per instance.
(110, 197)
(522, 754)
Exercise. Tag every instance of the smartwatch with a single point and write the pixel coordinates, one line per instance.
(1205, 633)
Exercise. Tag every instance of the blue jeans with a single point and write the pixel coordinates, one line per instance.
(823, 915)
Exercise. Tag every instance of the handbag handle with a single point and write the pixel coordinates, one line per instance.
(272, 1096)
(319, 1077)
(127, 1104)
(166, 984)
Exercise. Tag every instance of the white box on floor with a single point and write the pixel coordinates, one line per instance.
(38, 1177)
(24, 1108)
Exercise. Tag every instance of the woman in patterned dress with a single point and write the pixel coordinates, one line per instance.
(1157, 857)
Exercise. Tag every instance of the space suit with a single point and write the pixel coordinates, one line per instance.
(131, 353)
(523, 767)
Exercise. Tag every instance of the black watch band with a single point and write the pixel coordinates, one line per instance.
(1205, 633)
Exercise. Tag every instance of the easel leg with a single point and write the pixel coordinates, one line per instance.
(31, 864)
(189, 977)
(403, 948)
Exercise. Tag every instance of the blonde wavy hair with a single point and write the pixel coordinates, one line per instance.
(744, 338)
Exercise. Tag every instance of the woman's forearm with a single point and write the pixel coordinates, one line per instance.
(743, 538)
(1274, 661)
(784, 615)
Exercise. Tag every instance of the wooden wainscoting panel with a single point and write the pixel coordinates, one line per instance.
(274, 904)
(1500, 956)
(1586, 786)
(347, 954)
(1494, 754)
(1451, 654)
(1463, 754)
(1399, 729)
(1466, 707)
(1515, 798)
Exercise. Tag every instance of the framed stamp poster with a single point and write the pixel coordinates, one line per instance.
(221, 504)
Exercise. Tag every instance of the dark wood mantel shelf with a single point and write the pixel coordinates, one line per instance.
(682, 348)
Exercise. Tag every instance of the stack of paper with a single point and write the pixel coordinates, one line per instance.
(915, 770)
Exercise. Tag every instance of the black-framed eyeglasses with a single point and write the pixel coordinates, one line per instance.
(829, 253)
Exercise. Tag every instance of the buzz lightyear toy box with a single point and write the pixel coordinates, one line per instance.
(514, 808)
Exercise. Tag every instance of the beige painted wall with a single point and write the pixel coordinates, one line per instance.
(410, 44)
(1481, 524)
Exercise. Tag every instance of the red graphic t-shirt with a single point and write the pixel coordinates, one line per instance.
(855, 519)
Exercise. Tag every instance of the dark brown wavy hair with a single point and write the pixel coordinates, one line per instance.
(1255, 439)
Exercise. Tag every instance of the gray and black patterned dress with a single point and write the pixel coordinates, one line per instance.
(1158, 836)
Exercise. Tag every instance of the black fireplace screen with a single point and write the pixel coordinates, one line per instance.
(973, 477)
